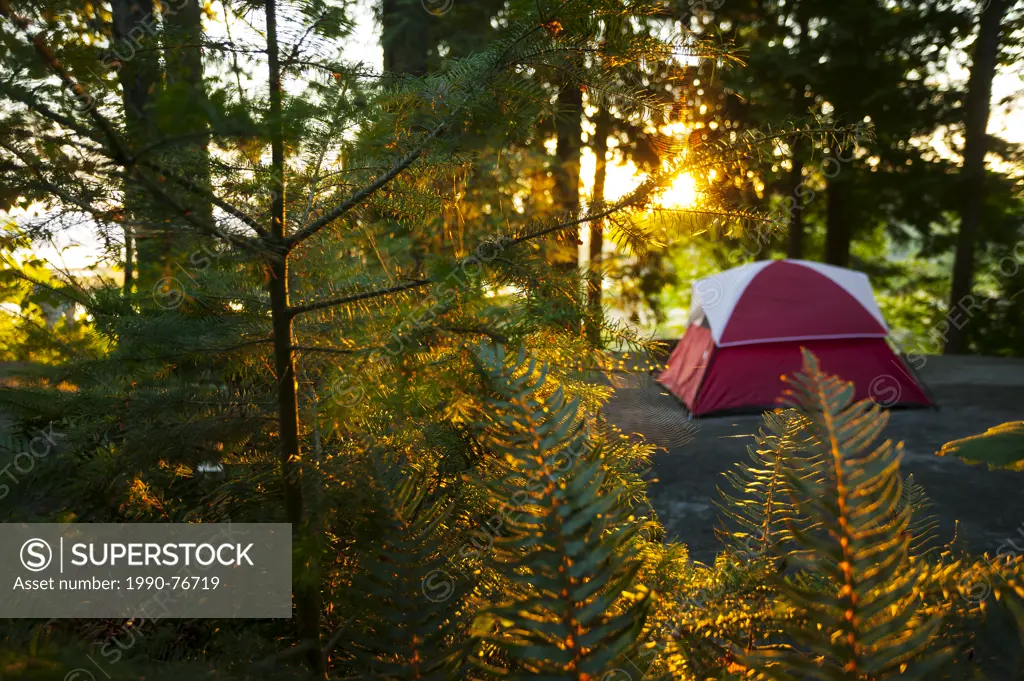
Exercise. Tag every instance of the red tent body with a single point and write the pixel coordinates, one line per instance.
(747, 327)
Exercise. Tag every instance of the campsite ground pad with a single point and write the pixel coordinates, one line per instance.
(973, 393)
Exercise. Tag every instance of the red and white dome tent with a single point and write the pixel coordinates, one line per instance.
(748, 324)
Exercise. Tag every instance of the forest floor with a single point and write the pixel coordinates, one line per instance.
(973, 394)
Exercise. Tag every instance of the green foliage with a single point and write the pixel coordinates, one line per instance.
(1000, 447)
(574, 606)
(1000, 648)
(761, 507)
(922, 527)
(41, 312)
(868, 621)
(413, 620)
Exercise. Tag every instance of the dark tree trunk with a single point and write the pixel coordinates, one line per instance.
(568, 127)
(972, 178)
(183, 56)
(133, 26)
(794, 203)
(405, 39)
(794, 208)
(405, 36)
(602, 128)
(129, 262)
(306, 559)
(183, 139)
(838, 222)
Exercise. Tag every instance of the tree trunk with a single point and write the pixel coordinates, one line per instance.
(129, 262)
(405, 36)
(794, 202)
(568, 127)
(405, 40)
(183, 141)
(838, 219)
(972, 177)
(306, 573)
(133, 26)
(602, 128)
(183, 56)
(794, 208)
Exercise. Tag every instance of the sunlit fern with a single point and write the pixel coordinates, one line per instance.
(1000, 639)
(867, 621)
(758, 510)
(923, 526)
(575, 606)
(412, 625)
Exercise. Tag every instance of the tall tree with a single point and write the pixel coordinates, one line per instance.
(183, 39)
(797, 150)
(595, 280)
(134, 29)
(405, 36)
(984, 58)
(848, 63)
(566, 168)
(839, 220)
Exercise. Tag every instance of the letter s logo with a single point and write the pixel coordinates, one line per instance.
(36, 555)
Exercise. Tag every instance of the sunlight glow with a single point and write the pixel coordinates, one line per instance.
(623, 178)
(682, 193)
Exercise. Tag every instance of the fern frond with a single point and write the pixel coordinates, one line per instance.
(866, 621)
(413, 627)
(923, 526)
(576, 605)
(759, 506)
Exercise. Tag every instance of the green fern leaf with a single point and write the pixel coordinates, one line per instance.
(923, 526)
(567, 548)
(758, 510)
(414, 627)
(866, 621)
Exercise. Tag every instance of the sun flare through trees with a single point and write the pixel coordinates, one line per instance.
(395, 283)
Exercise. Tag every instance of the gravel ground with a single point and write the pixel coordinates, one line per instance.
(973, 394)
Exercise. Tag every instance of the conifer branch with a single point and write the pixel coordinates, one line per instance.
(636, 197)
(54, 189)
(197, 351)
(471, 330)
(361, 195)
(54, 64)
(633, 199)
(207, 195)
(355, 297)
(18, 273)
(120, 152)
(45, 111)
(328, 350)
